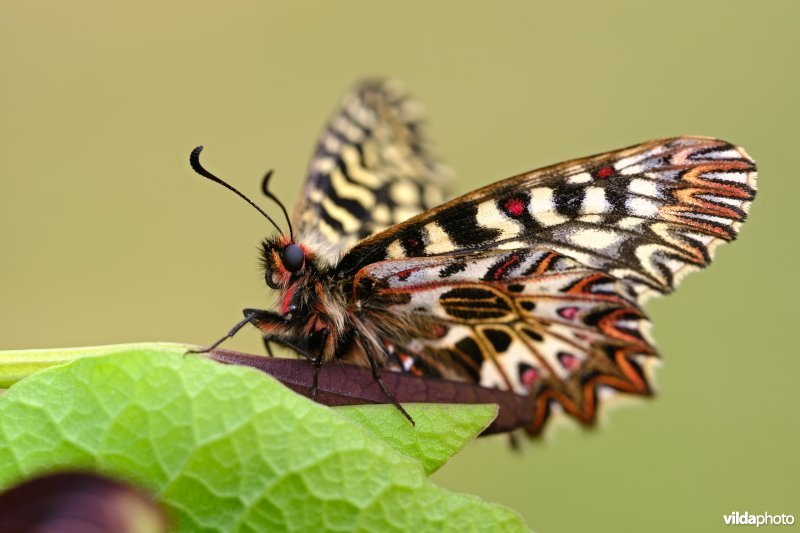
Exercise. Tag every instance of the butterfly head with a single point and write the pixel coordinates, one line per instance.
(284, 261)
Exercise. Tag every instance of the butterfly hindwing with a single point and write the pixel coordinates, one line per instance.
(645, 214)
(530, 320)
(371, 169)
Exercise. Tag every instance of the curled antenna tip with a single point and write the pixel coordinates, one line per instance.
(268, 194)
(194, 159)
(265, 182)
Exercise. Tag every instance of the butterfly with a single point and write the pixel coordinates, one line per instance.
(532, 284)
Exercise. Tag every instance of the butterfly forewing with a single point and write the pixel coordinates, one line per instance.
(644, 214)
(372, 169)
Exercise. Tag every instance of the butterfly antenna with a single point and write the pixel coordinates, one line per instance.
(194, 160)
(268, 194)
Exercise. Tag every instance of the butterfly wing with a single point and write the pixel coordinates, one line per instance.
(535, 283)
(529, 320)
(371, 169)
(645, 214)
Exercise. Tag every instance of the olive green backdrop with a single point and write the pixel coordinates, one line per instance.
(107, 236)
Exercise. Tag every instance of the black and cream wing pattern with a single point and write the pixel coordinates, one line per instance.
(372, 168)
(535, 283)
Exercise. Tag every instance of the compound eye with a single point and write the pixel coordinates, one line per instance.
(293, 258)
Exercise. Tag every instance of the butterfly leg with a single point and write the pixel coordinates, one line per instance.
(318, 363)
(249, 316)
(377, 377)
(268, 346)
(313, 350)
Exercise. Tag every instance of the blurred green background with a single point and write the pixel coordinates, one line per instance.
(107, 236)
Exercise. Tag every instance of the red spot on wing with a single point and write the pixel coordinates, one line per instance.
(529, 376)
(604, 172)
(403, 275)
(568, 312)
(569, 361)
(502, 269)
(515, 207)
(438, 331)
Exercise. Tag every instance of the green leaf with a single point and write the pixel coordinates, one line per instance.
(16, 365)
(441, 430)
(225, 448)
